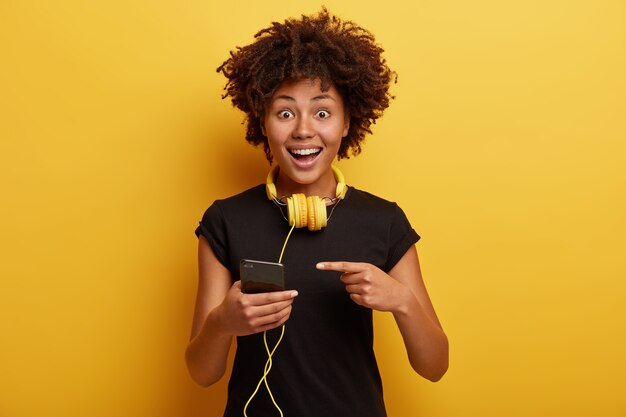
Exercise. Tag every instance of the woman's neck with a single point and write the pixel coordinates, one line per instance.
(325, 186)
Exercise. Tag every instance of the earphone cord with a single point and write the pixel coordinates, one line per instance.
(268, 363)
(282, 251)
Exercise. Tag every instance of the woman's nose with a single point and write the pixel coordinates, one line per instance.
(303, 128)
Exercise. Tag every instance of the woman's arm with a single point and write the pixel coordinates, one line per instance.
(207, 351)
(426, 343)
(223, 311)
(403, 293)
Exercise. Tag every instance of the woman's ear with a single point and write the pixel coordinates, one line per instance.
(263, 128)
(346, 126)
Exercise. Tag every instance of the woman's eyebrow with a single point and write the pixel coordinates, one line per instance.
(323, 97)
(284, 97)
(316, 98)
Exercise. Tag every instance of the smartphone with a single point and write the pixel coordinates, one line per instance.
(261, 276)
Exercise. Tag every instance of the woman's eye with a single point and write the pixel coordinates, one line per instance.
(284, 114)
(323, 114)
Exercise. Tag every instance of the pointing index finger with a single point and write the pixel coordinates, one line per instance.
(341, 266)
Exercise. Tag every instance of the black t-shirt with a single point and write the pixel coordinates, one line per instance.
(325, 365)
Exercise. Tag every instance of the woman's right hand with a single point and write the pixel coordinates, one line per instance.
(242, 314)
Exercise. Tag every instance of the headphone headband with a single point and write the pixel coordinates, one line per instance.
(270, 187)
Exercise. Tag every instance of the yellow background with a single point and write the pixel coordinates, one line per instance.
(506, 147)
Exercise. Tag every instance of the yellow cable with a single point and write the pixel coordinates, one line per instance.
(282, 251)
(266, 371)
(268, 363)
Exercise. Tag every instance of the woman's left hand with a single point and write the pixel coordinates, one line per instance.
(369, 286)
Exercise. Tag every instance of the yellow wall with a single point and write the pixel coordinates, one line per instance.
(505, 146)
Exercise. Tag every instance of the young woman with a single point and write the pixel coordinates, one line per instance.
(310, 89)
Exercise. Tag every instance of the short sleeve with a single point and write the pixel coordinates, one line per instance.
(401, 237)
(212, 227)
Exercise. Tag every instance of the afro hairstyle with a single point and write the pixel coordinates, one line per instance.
(322, 46)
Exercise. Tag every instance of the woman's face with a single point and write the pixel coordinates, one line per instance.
(304, 127)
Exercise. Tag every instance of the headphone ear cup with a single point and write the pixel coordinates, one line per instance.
(297, 210)
(311, 214)
(306, 211)
(316, 208)
(301, 198)
(321, 215)
(291, 211)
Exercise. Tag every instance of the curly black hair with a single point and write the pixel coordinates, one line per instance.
(323, 47)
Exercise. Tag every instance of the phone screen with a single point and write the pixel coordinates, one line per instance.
(261, 276)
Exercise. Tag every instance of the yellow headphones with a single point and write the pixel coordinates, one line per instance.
(306, 211)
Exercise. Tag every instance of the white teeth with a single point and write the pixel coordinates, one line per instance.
(305, 151)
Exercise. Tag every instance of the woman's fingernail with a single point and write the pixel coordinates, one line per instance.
(320, 265)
